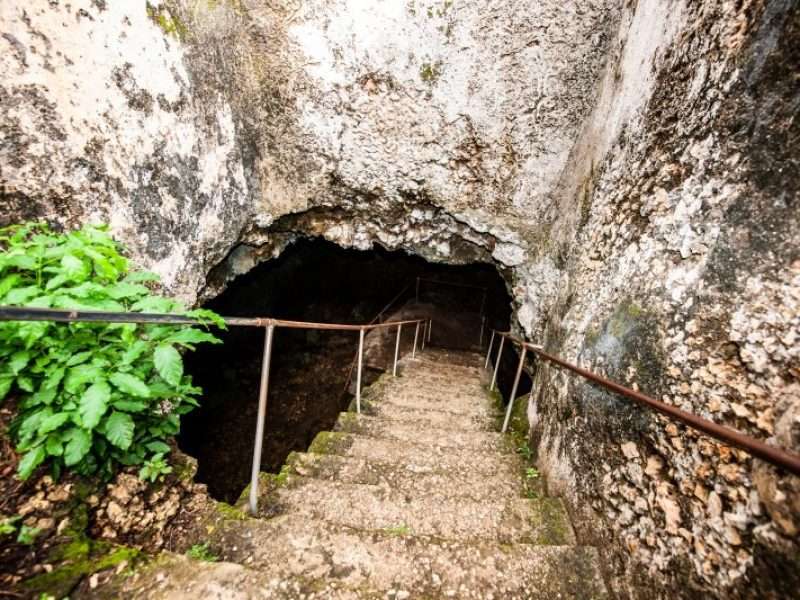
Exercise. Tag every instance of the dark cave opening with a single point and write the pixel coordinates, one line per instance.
(315, 280)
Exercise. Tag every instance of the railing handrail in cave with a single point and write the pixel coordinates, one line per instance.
(777, 456)
(21, 313)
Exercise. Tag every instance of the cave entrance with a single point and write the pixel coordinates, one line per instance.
(315, 280)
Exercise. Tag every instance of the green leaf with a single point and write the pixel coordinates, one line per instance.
(81, 375)
(119, 430)
(93, 404)
(32, 459)
(22, 295)
(185, 337)
(41, 396)
(140, 276)
(8, 282)
(53, 445)
(154, 304)
(18, 361)
(207, 317)
(130, 406)
(158, 447)
(130, 384)
(79, 442)
(127, 290)
(6, 381)
(25, 383)
(22, 261)
(169, 364)
(73, 267)
(80, 357)
(56, 282)
(53, 422)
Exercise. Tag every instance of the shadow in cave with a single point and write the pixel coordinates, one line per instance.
(315, 280)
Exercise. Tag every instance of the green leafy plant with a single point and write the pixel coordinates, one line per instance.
(92, 396)
(531, 473)
(25, 534)
(525, 451)
(154, 468)
(202, 552)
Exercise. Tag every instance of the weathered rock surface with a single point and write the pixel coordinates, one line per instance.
(633, 167)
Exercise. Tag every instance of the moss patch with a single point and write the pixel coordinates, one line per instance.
(79, 558)
(430, 72)
(330, 442)
(552, 523)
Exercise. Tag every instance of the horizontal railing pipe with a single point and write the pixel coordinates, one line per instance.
(15, 313)
(772, 454)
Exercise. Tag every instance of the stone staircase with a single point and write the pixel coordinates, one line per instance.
(419, 497)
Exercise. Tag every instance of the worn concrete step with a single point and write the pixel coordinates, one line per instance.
(420, 432)
(474, 407)
(423, 457)
(176, 577)
(436, 513)
(431, 365)
(332, 559)
(464, 483)
(288, 558)
(441, 419)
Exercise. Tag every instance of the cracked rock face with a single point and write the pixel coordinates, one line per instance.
(632, 168)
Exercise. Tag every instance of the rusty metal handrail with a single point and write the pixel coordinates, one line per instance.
(18, 313)
(374, 319)
(779, 457)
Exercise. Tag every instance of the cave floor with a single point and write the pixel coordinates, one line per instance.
(417, 497)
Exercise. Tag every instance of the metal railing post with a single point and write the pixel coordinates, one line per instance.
(489, 353)
(424, 335)
(483, 325)
(416, 335)
(430, 327)
(497, 364)
(358, 376)
(514, 388)
(262, 416)
(396, 350)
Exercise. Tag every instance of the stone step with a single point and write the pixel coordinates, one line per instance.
(464, 483)
(420, 432)
(290, 558)
(421, 457)
(478, 408)
(332, 560)
(361, 506)
(441, 419)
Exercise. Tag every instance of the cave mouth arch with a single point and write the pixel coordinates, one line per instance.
(316, 280)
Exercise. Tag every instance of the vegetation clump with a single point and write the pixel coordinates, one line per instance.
(202, 552)
(91, 396)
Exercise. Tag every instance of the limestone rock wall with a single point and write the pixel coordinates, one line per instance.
(675, 227)
(632, 168)
(101, 120)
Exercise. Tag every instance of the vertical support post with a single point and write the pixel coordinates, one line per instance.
(497, 364)
(424, 335)
(397, 350)
(262, 416)
(489, 353)
(522, 353)
(416, 335)
(358, 376)
(483, 325)
(430, 327)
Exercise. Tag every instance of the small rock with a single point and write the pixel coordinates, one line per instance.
(630, 450)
